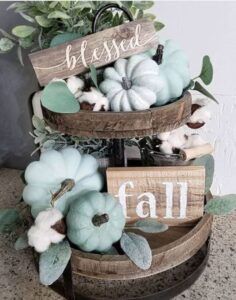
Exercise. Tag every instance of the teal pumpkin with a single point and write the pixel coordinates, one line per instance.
(45, 177)
(132, 84)
(95, 221)
(174, 73)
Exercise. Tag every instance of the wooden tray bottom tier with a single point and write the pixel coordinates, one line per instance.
(169, 249)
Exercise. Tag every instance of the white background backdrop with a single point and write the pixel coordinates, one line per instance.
(210, 28)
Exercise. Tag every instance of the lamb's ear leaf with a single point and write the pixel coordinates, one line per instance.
(221, 205)
(22, 242)
(208, 162)
(137, 249)
(10, 219)
(58, 98)
(53, 262)
(93, 73)
(150, 226)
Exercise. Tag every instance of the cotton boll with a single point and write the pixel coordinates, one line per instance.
(48, 218)
(94, 96)
(38, 239)
(55, 237)
(166, 148)
(74, 84)
(177, 138)
(194, 140)
(201, 115)
(163, 136)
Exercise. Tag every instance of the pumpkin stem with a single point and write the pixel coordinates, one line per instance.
(159, 54)
(126, 83)
(66, 186)
(98, 220)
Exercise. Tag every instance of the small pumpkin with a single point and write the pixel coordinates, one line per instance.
(174, 73)
(95, 221)
(132, 84)
(45, 177)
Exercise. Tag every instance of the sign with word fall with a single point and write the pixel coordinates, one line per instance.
(172, 195)
(99, 49)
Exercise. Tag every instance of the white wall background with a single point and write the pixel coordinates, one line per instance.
(210, 28)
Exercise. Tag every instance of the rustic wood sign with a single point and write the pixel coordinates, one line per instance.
(99, 49)
(173, 195)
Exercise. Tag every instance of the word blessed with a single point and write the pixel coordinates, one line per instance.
(85, 52)
(148, 199)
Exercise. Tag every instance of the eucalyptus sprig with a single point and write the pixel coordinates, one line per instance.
(52, 22)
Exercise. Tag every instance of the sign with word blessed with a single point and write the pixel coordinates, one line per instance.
(172, 195)
(99, 49)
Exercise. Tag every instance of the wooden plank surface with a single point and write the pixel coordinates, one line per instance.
(99, 49)
(172, 195)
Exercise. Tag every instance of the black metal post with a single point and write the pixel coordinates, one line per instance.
(117, 152)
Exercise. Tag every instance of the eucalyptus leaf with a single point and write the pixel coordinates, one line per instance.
(127, 4)
(6, 44)
(19, 55)
(158, 25)
(26, 42)
(221, 205)
(53, 262)
(150, 226)
(10, 219)
(93, 73)
(7, 35)
(150, 17)
(27, 18)
(58, 98)
(22, 31)
(48, 145)
(43, 21)
(22, 242)
(208, 162)
(207, 70)
(53, 4)
(137, 249)
(38, 123)
(198, 87)
(143, 4)
(58, 15)
(63, 38)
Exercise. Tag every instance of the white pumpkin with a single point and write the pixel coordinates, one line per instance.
(174, 73)
(45, 176)
(132, 84)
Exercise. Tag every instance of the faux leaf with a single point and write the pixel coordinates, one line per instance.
(221, 205)
(150, 17)
(27, 18)
(58, 15)
(43, 21)
(9, 220)
(208, 162)
(6, 44)
(22, 31)
(38, 123)
(143, 4)
(22, 242)
(94, 75)
(63, 38)
(137, 249)
(158, 25)
(26, 42)
(207, 70)
(53, 262)
(198, 87)
(150, 225)
(19, 55)
(58, 98)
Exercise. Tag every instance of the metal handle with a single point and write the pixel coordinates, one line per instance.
(104, 8)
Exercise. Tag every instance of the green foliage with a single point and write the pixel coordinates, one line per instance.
(208, 162)
(206, 74)
(221, 205)
(137, 249)
(6, 44)
(158, 25)
(10, 219)
(149, 225)
(93, 74)
(53, 262)
(58, 98)
(198, 87)
(48, 19)
(63, 38)
(22, 242)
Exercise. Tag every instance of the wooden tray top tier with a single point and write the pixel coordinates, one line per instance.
(118, 125)
(169, 249)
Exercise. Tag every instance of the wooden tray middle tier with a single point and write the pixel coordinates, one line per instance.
(118, 125)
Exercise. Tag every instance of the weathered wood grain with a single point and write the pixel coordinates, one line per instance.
(169, 249)
(122, 124)
(52, 63)
(143, 192)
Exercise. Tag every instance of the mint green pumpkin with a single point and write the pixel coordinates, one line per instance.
(174, 73)
(45, 176)
(95, 221)
(132, 84)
